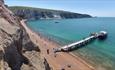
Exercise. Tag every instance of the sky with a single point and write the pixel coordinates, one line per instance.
(100, 8)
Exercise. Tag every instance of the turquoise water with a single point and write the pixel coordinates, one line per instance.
(100, 54)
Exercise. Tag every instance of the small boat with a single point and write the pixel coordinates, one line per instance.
(56, 22)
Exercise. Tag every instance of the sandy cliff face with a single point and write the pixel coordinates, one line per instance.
(17, 51)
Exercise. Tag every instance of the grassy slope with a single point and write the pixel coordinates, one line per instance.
(14, 8)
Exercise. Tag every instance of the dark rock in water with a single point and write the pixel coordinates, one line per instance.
(37, 13)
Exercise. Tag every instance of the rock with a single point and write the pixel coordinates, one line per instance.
(13, 41)
(1, 1)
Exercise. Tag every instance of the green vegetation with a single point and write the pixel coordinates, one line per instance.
(38, 13)
(15, 8)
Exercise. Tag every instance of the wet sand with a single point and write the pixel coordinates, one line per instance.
(60, 60)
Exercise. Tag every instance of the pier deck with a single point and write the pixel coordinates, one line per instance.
(82, 42)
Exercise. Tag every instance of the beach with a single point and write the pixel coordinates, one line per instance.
(57, 61)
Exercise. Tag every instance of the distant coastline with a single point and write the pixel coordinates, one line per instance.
(38, 13)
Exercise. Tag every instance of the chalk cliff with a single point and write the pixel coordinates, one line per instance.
(17, 51)
(38, 13)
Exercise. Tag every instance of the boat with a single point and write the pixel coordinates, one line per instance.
(56, 22)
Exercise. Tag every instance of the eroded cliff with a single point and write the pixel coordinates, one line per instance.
(17, 51)
(38, 13)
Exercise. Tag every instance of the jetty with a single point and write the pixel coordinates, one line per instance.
(101, 36)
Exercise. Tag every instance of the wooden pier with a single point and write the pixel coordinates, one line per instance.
(101, 35)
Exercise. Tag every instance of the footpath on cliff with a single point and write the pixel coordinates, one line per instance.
(57, 61)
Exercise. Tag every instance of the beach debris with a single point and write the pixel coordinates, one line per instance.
(69, 66)
(62, 69)
(55, 54)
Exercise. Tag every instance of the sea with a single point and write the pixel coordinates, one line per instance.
(99, 53)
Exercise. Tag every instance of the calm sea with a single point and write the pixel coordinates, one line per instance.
(100, 54)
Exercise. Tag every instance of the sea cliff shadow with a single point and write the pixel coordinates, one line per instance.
(15, 58)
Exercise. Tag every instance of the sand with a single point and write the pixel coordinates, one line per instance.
(60, 60)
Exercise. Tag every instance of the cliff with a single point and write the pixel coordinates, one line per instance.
(17, 51)
(38, 13)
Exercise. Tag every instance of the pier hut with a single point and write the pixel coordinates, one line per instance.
(102, 35)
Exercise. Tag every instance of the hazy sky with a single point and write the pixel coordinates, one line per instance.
(93, 7)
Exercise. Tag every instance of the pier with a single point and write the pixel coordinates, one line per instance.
(101, 36)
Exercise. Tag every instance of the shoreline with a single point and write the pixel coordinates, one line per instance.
(49, 38)
(53, 62)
